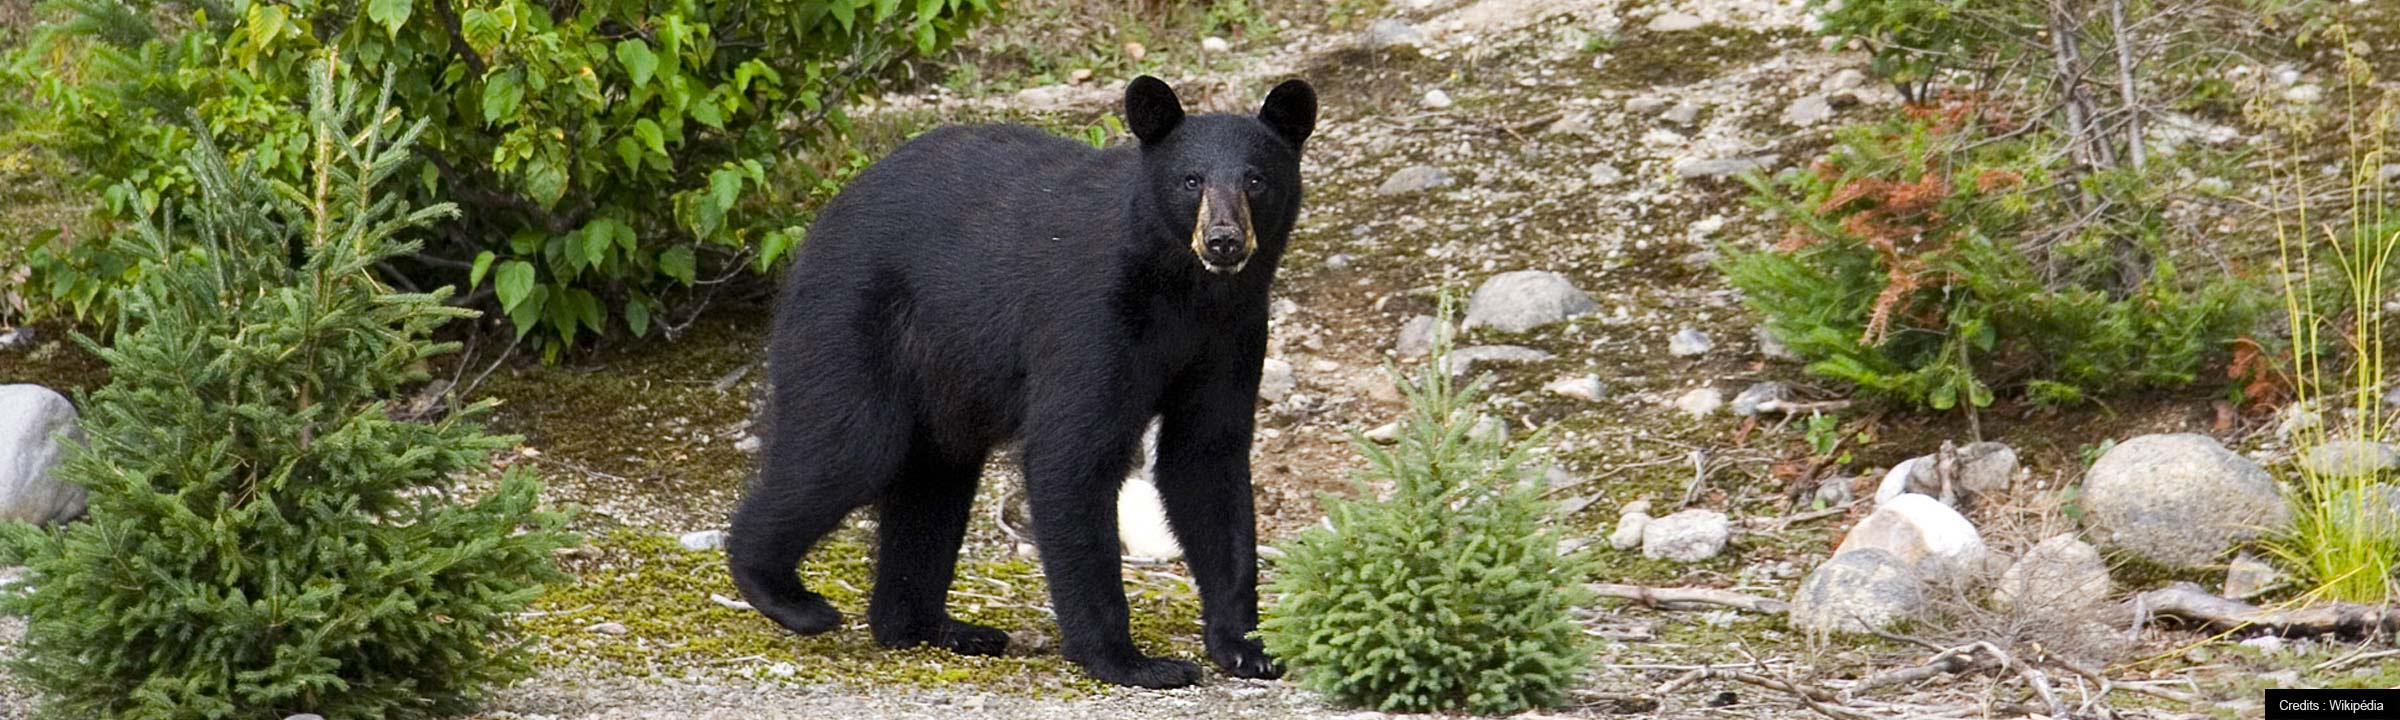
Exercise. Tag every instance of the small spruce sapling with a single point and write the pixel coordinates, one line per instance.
(1449, 593)
(264, 538)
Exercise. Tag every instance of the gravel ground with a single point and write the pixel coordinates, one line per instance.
(563, 696)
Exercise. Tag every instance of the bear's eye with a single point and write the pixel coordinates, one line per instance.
(1191, 182)
(1255, 183)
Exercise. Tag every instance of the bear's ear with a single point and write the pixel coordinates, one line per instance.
(1291, 110)
(1151, 109)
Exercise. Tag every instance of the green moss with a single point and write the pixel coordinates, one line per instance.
(664, 595)
(1648, 59)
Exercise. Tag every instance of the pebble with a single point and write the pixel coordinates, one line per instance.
(1437, 99)
(1675, 21)
(1700, 402)
(1807, 111)
(1414, 178)
(1689, 342)
(1587, 388)
(702, 540)
(1688, 536)
(1215, 44)
(1275, 380)
(607, 628)
(1746, 404)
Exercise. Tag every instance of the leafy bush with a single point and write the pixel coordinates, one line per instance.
(1448, 594)
(1924, 262)
(264, 539)
(605, 154)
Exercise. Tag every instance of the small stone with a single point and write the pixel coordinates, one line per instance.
(2304, 94)
(1746, 403)
(1700, 402)
(1986, 469)
(1522, 300)
(1689, 342)
(1570, 124)
(1845, 79)
(1936, 541)
(1833, 492)
(1587, 388)
(1858, 592)
(1324, 366)
(1807, 111)
(1675, 21)
(1628, 534)
(1697, 169)
(702, 540)
(2348, 458)
(1275, 380)
(15, 336)
(1135, 51)
(2265, 644)
(1392, 33)
(1681, 115)
(749, 443)
(1601, 173)
(2248, 577)
(1488, 429)
(606, 628)
(1437, 99)
(2060, 574)
(1215, 44)
(1914, 475)
(1079, 75)
(1386, 433)
(1416, 337)
(1463, 360)
(1414, 178)
(1689, 536)
(1771, 346)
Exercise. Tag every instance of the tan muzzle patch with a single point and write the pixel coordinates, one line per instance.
(1213, 215)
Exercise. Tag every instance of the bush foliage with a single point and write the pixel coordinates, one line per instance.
(264, 538)
(606, 153)
(1921, 263)
(1448, 594)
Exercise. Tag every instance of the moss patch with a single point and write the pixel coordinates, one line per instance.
(664, 596)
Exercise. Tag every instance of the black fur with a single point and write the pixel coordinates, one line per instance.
(983, 284)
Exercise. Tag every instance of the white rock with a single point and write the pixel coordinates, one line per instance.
(1688, 536)
(1675, 21)
(1392, 33)
(1689, 342)
(1386, 433)
(2348, 458)
(1807, 111)
(1602, 173)
(1141, 519)
(1488, 429)
(1681, 115)
(1437, 99)
(1746, 404)
(2179, 500)
(1700, 402)
(702, 540)
(1522, 300)
(1901, 477)
(1416, 337)
(1697, 168)
(1215, 44)
(749, 443)
(2248, 577)
(35, 425)
(1628, 533)
(1275, 380)
(1936, 541)
(1464, 360)
(606, 628)
(1845, 79)
(1587, 388)
(1414, 178)
(2304, 94)
(1771, 346)
(2060, 574)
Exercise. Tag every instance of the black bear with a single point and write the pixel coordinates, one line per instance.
(994, 283)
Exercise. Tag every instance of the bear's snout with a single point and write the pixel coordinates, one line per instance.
(1223, 248)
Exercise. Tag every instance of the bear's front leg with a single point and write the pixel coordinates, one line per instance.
(1203, 475)
(1074, 463)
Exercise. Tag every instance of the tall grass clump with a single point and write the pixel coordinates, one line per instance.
(1447, 594)
(265, 538)
(2346, 525)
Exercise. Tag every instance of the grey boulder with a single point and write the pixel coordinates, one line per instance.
(1522, 300)
(35, 426)
(1857, 592)
(2180, 500)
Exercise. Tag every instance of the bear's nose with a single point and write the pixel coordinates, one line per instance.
(1224, 241)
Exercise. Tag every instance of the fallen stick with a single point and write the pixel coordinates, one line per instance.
(2189, 602)
(1690, 598)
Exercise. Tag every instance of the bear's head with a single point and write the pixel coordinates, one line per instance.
(1229, 183)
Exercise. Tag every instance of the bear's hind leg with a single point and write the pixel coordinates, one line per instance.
(812, 477)
(924, 519)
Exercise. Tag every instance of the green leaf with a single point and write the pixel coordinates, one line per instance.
(651, 136)
(391, 13)
(630, 151)
(885, 8)
(724, 187)
(597, 237)
(677, 263)
(514, 283)
(483, 264)
(637, 317)
(527, 314)
(502, 96)
(481, 29)
(639, 62)
(708, 112)
(546, 178)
